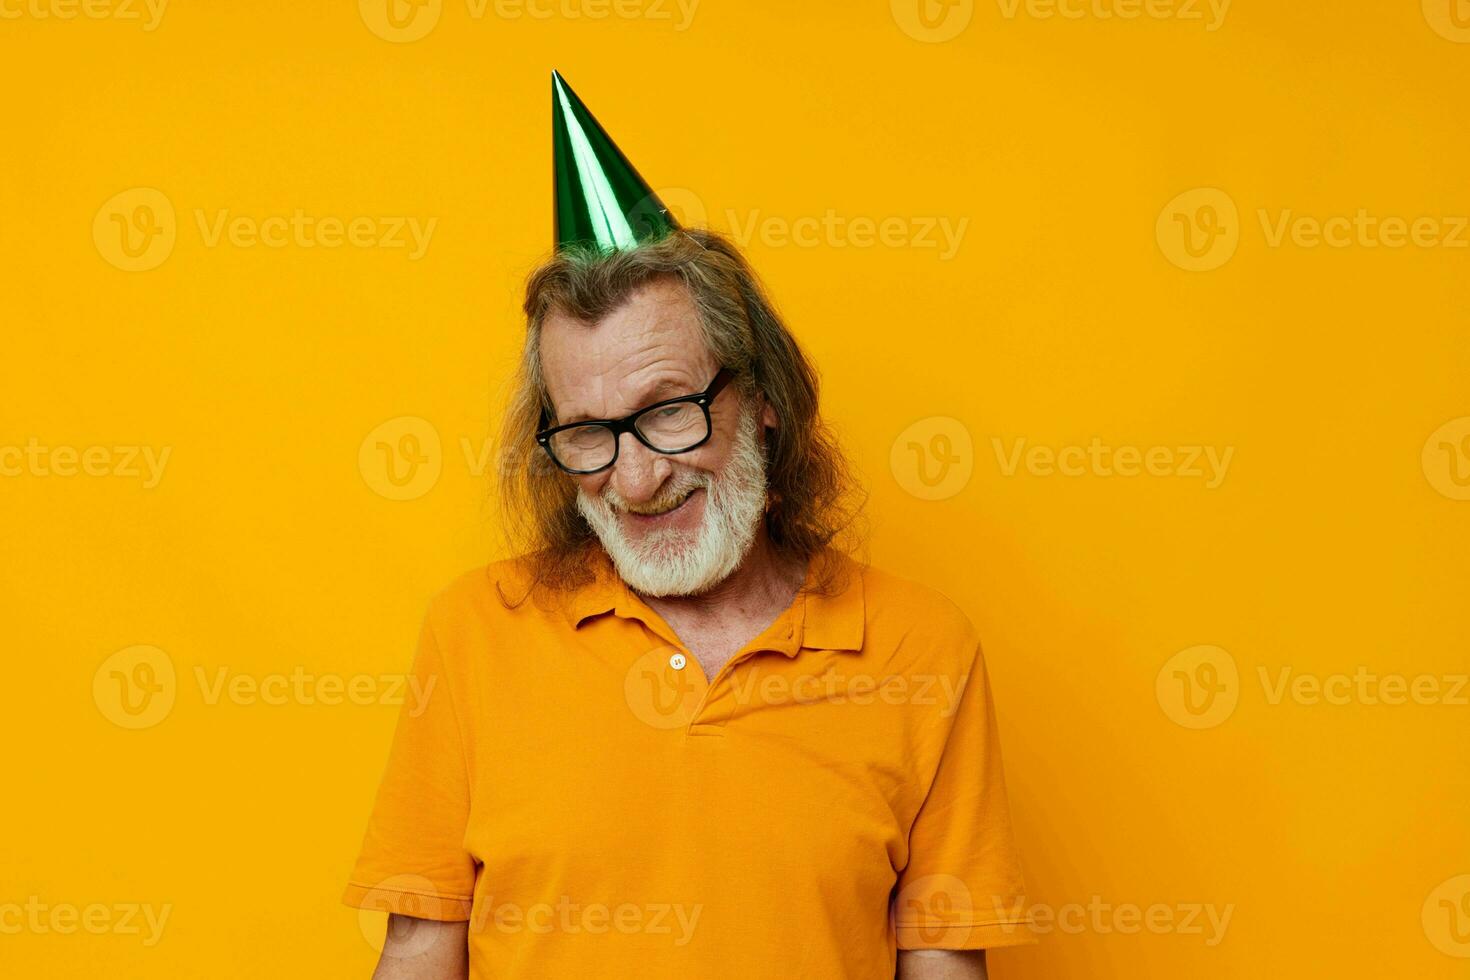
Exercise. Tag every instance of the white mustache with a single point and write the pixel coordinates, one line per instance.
(668, 501)
(672, 561)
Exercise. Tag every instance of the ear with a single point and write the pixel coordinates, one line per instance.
(768, 415)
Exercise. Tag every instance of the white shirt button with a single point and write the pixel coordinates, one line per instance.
(677, 661)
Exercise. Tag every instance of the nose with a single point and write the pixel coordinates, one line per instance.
(639, 471)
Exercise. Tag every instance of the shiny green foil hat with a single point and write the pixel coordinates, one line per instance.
(601, 201)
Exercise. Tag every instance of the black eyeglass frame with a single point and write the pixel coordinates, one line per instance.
(629, 423)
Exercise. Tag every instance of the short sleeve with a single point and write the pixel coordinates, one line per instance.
(413, 860)
(962, 887)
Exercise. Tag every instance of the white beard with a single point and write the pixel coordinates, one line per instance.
(674, 562)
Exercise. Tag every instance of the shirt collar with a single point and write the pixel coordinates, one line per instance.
(829, 622)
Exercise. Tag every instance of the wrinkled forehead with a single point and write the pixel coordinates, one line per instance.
(649, 348)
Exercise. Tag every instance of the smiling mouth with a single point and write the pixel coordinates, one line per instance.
(660, 511)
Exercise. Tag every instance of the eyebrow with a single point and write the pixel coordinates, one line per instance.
(664, 389)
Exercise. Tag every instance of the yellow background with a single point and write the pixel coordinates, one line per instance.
(1336, 540)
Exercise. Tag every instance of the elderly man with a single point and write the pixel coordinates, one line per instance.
(683, 733)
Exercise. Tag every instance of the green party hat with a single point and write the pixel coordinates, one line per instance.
(600, 199)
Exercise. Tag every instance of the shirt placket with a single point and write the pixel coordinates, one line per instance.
(717, 700)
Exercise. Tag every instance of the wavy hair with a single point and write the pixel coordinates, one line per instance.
(814, 500)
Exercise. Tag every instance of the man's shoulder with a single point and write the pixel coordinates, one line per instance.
(494, 589)
(914, 607)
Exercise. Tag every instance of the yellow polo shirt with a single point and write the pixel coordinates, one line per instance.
(576, 788)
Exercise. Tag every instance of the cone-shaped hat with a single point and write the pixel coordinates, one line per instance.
(600, 199)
